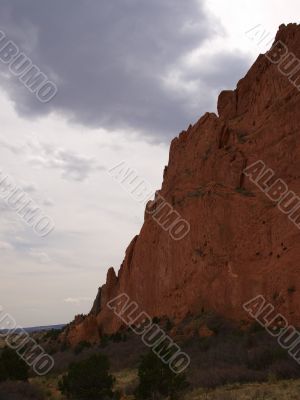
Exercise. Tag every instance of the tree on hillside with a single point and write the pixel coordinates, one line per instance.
(88, 380)
(12, 367)
(156, 380)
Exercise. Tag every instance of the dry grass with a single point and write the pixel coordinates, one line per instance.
(2, 343)
(126, 381)
(282, 390)
(49, 386)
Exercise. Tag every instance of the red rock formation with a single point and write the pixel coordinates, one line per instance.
(238, 246)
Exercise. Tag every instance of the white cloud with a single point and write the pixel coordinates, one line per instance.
(72, 166)
(40, 256)
(77, 300)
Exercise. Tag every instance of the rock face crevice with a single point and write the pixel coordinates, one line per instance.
(239, 245)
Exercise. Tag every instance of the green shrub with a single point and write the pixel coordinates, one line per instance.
(104, 341)
(88, 380)
(119, 337)
(291, 289)
(64, 347)
(12, 367)
(53, 334)
(169, 325)
(199, 192)
(81, 346)
(156, 379)
(244, 192)
(242, 137)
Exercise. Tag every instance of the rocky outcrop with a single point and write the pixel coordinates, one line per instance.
(239, 245)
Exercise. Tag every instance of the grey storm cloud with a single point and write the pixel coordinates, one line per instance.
(72, 166)
(110, 59)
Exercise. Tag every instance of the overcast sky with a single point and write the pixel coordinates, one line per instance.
(131, 74)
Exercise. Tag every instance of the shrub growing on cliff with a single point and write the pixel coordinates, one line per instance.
(53, 334)
(81, 346)
(157, 381)
(88, 380)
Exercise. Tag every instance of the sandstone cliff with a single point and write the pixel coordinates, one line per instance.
(240, 245)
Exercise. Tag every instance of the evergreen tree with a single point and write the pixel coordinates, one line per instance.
(156, 380)
(88, 380)
(12, 367)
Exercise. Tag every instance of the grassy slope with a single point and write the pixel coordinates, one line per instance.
(281, 390)
(126, 380)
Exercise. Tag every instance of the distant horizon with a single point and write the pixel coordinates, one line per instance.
(39, 327)
(45, 326)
